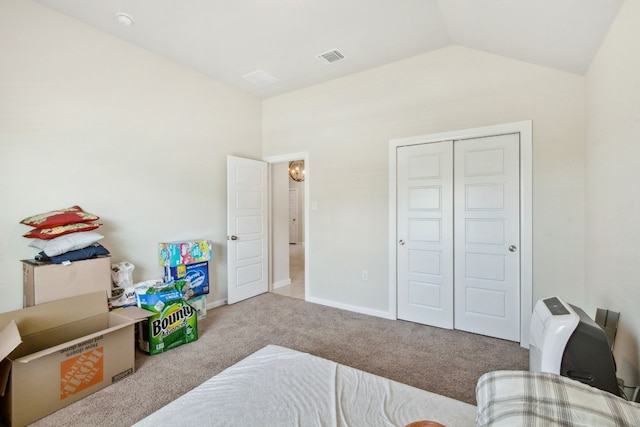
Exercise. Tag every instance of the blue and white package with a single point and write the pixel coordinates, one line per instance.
(196, 276)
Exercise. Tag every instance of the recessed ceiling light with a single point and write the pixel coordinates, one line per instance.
(125, 19)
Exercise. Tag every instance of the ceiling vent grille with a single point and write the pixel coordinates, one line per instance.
(331, 56)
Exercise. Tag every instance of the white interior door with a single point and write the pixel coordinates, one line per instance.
(293, 215)
(425, 234)
(487, 230)
(247, 228)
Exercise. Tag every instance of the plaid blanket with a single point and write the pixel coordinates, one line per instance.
(521, 398)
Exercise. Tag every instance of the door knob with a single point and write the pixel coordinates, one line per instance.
(513, 248)
(233, 237)
(401, 242)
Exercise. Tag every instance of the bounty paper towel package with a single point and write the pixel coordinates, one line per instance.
(174, 323)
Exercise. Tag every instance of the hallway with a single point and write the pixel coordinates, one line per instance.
(296, 273)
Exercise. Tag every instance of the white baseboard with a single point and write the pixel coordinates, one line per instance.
(354, 308)
(328, 303)
(214, 304)
(282, 283)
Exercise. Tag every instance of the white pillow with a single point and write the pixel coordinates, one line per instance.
(67, 242)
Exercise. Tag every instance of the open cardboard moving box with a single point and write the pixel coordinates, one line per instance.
(56, 353)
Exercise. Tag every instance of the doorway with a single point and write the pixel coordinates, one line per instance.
(288, 224)
(296, 288)
(437, 274)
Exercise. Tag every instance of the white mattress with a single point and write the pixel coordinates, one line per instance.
(277, 386)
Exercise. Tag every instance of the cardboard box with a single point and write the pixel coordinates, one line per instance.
(45, 281)
(173, 254)
(57, 353)
(173, 323)
(196, 275)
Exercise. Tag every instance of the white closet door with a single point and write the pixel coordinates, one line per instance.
(487, 229)
(425, 234)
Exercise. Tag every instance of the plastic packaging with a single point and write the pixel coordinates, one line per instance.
(122, 274)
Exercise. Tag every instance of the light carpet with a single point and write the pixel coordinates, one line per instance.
(438, 360)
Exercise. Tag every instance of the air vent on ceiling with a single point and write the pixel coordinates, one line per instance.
(331, 56)
(260, 78)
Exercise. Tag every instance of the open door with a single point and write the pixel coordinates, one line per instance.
(247, 228)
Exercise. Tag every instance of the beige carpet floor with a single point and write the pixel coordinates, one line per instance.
(442, 361)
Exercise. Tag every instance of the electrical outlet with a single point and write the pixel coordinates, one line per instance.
(365, 275)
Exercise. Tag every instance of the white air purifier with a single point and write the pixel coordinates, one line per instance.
(552, 324)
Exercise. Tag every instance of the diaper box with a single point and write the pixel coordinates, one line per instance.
(195, 275)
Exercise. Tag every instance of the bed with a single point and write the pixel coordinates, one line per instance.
(277, 386)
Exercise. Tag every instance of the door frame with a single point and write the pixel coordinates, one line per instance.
(304, 155)
(524, 128)
(295, 192)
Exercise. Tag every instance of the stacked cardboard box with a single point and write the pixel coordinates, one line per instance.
(45, 281)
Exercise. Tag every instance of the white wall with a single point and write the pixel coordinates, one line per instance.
(612, 177)
(89, 119)
(346, 124)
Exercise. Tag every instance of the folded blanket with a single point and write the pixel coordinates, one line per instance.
(86, 253)
(522, 398)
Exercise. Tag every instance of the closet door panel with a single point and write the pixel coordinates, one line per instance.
(425, 234)
(487, 230)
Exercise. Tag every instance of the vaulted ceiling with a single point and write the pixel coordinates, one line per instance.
(269, 47)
